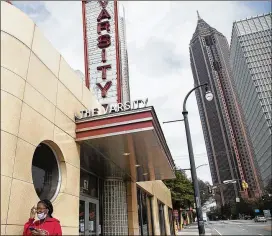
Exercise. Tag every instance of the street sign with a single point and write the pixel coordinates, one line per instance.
(267, 213)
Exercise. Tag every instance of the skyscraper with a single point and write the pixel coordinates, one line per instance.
(106, 60)
(250, 57)
(228, 146)
(124, 55)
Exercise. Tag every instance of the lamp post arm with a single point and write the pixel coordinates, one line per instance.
(188, 94)
(201, 165)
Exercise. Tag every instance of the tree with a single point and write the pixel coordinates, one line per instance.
(204, 193)
(268, 188)
(181, 190)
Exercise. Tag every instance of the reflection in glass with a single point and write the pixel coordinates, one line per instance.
(161, 218)
(81, 217)
(92, 218)
(144, 213)
(171, 222)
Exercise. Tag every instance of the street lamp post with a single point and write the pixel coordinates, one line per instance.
(209, 97)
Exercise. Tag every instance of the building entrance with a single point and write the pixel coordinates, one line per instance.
(89, 216)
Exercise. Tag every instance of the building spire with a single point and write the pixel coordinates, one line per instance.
(198, 16)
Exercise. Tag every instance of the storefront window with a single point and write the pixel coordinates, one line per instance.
(171, 222)
(45, 172)
(81, 217)
(144, 213)
(161, 218)
(150, 215)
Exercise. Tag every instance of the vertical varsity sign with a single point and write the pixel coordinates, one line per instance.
(101, 45)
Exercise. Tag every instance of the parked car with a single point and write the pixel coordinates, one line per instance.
(260, 219)
(247, 217)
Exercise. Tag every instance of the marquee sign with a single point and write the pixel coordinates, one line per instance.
(103, 50)
(112, 108)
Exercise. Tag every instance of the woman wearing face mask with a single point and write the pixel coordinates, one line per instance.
(46, 225)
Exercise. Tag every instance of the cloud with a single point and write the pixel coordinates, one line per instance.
(158, 36)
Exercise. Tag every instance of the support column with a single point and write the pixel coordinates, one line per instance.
(154, 203)
(166, 219)
(115, 207)
(133, 221)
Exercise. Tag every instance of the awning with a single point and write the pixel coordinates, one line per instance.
(130, 140)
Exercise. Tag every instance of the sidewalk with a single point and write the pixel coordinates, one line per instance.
(192, 229)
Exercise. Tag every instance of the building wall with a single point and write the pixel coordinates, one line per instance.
(160, 192)
(39, 95)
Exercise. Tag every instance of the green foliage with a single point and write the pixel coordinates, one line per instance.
(181, 190)
(268, 188)
(244, 207)
(204, 193)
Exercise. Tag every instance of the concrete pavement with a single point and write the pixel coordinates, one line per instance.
(192, 229)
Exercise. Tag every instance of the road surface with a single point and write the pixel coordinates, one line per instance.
(239, 227)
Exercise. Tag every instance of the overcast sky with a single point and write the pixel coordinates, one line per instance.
(158, 36)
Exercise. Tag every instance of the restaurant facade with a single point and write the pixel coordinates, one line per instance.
(101, 165)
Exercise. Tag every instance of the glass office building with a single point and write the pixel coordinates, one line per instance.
(250, 58)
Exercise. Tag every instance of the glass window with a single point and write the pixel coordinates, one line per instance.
(161, 218)
(81, 217)
(45, 172)
(144, 214)
(88, 184)
(171, 222)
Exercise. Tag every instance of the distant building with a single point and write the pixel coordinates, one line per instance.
(228, 145)
(80, 74)
(250, 57)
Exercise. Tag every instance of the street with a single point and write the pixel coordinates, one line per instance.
(230, 227)
(239, 227)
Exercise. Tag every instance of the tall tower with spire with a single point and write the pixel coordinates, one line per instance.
(228, 145)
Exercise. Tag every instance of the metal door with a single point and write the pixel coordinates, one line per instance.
(88, 216)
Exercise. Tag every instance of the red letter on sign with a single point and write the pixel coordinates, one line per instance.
(105, 89)
(104, 70)
(103, 15)
(104, 56)
(103, 3)
(104, 41)
(105, 25)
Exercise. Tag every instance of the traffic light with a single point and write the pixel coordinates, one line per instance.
(244, 185)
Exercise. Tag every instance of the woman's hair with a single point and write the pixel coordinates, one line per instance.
(48, 206)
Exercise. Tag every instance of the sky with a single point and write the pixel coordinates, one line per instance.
(158, 35)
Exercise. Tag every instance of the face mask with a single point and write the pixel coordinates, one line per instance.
(41, 216)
